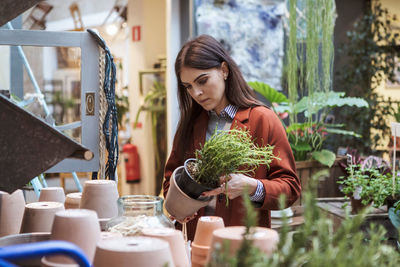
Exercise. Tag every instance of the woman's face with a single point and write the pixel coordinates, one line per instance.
(206, 87)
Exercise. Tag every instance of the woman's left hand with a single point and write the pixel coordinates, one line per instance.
(234, 187)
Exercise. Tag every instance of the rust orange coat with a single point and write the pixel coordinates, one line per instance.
(280, 178)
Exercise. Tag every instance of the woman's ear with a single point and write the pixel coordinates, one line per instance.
(225, 70)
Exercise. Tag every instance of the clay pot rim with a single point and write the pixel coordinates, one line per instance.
(75, 213)
(44, 205)
(211, 219)
(52, 187)
(99, 182)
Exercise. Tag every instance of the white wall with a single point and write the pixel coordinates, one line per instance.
(150, 15)
(173, 47)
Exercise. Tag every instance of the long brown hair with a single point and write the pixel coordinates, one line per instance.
(204, 52)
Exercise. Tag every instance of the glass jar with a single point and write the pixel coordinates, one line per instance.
(137, 212)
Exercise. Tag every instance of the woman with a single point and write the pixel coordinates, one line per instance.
(213, 93)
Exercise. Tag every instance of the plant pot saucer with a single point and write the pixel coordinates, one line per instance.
(180, 205)
(188, 185)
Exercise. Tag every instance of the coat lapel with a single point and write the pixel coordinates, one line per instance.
(241, 117)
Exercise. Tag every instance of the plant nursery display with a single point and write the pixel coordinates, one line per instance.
(308, 79)
(314, 243)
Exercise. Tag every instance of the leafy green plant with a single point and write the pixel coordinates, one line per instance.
(368, 184)
(308, 79)
(227, 152)
(306, 139)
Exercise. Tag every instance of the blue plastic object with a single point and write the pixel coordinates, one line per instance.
(40, 249)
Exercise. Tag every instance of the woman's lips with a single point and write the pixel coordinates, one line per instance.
(203, 101)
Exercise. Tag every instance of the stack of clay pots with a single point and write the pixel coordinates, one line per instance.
(39, 216)
(100, 196)
(203, 237)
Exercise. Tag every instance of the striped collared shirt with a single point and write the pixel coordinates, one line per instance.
(223, 121)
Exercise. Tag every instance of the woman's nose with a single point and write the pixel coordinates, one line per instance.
(198, 92)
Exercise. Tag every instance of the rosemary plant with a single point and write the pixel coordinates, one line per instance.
(228, 152)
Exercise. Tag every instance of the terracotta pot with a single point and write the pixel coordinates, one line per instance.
(176, 197)
(263, 238)
(12, 208)
(188, 185)
(55, 194)
(39, 216)
(199, 260)
(176, 243)
(200, 250)
(73, 200)
(78, 226)
(205, 228)
(133, 251)
(100, 196)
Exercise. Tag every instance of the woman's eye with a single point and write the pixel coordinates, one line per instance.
(188, 87)
(202, 81)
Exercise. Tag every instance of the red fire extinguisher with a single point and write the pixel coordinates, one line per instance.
(132, 163)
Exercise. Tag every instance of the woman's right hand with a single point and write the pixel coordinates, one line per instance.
(187, 219)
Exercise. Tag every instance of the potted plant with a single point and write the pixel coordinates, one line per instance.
(367, 183)
(225, 152)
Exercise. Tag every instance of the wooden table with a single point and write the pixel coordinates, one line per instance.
(297, 219)
(336, 209)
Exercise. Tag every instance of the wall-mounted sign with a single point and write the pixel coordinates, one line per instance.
(136, 33)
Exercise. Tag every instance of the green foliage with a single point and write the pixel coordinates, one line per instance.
(368, 184)
(316, 243)
(308, 78)
(324, 156)
(268, 92)
(370, 53)
(229, 152)
(122, 104)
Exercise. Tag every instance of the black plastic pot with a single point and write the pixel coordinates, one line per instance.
(190, 186)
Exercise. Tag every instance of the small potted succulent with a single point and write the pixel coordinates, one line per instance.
(225, 152)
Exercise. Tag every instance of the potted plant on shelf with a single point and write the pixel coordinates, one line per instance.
(224, 153)
(368, 183)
